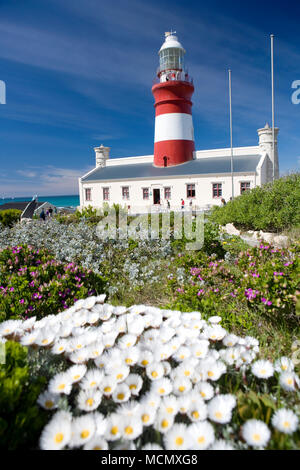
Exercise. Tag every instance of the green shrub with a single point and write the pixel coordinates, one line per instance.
(33, 283)
(9, 217)
(21, 420)
(274, 207)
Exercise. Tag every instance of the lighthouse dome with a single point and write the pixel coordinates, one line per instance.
(171, 42)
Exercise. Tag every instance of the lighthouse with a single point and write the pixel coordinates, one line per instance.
(174, 131)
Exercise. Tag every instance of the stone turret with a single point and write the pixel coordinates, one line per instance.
(266, 145)
(102, 154)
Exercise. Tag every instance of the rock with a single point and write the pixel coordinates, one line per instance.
(231, 230)
(268, 238)
(281, 241)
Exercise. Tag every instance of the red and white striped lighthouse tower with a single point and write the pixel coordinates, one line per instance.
(174, 131)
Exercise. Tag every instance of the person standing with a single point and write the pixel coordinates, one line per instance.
(182, 204)
(43, 215)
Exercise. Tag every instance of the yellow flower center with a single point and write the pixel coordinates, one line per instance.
(119, 376)
(170, 410)
(256, 437)
(128, 361)
(79, 346)
(114, 430)
(45, 341)
(210, 373)
(181, 388)
(128, 430)
(90, 401)
(92, 384)
(154, 374)
(61, 348)
(120, 396)
(187, 373)
(182, 356)
(128, 345)
(85, 433)
(218, 414)
(164, 423)
(97, 448)
(107, 389)
(201, 439)
(61, 386)
(195, 414)
(145, 418)
(76, 377)
(179, 441)
(203, 394)
(132, 387)
(162, 390)
(145, 362)
(286, 424)
(263, 371)
(58, 437)
(49, 404)
(290, 381)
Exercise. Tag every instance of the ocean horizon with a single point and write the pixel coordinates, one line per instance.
(57, 201)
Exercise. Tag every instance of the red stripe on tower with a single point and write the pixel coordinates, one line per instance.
(174, 131)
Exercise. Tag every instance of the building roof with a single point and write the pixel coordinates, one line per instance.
(203, 166)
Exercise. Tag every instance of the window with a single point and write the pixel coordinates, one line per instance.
(168, 193)
(245, 187)
(88, 194)
(105, 194)
(145, 193)
(125, 192)
(191, 191)
(217, 190)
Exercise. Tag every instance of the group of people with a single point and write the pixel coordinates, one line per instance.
(46, 215)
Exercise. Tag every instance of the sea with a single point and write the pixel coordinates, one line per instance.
(57, 201)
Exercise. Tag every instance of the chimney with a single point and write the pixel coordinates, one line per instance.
(102, 154)
(266, 145)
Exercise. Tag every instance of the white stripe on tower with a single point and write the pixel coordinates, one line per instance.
(174, 126)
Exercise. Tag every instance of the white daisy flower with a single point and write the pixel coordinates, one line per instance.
(100, 298)
(200, 349)
(109, 326)
(147, 415)
(167, 367)
(215, 320)
(131, 428)
(127, 341)
(162, 352)
(163, 422)
(57, 433)
(65, 330)
(155, 371)
(162, 387)
(60, 383)
(83, 430)
(119, 373)
(220, 409)
(96, 443)
(92, 379)
(182, 354)
(212, 370)
(79, 357)
(45, 338)
(28, 324)
(284, 364)
(201, 435)
(221, 445)
(169, 405)
(146, 358)
(121, 393)
(59, 347)
(108, 385)
(131, 356)
(136, 325)
(48, 400)
(183, 404)
(100, 422)
(114, 426)
(10, 327)
(262, 369)
(197, 410)
(95, 349)
(135, 383)
(177, 438)
(181, 386)
(285, 421)
(205, 390)
(150, 337)
(75, 373)
(106, 312)
(151, 400)
(89, 400)
(289, 381)
(256, 433)
(119, 310)
(130, 408)
(230, 340)
(215, 333)
(29, 338)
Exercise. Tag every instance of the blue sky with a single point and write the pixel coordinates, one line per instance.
(79, 73)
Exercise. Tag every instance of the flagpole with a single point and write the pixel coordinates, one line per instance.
(231, 140)
(273, 104)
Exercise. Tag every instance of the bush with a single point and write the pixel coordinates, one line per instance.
(9, 217)
(273, 207)
(33, 283)
(21, 420)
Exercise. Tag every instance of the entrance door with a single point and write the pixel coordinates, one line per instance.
(156, 197)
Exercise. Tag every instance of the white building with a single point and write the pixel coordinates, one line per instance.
(142, 184)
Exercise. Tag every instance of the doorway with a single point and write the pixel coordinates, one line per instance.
(156, 196)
